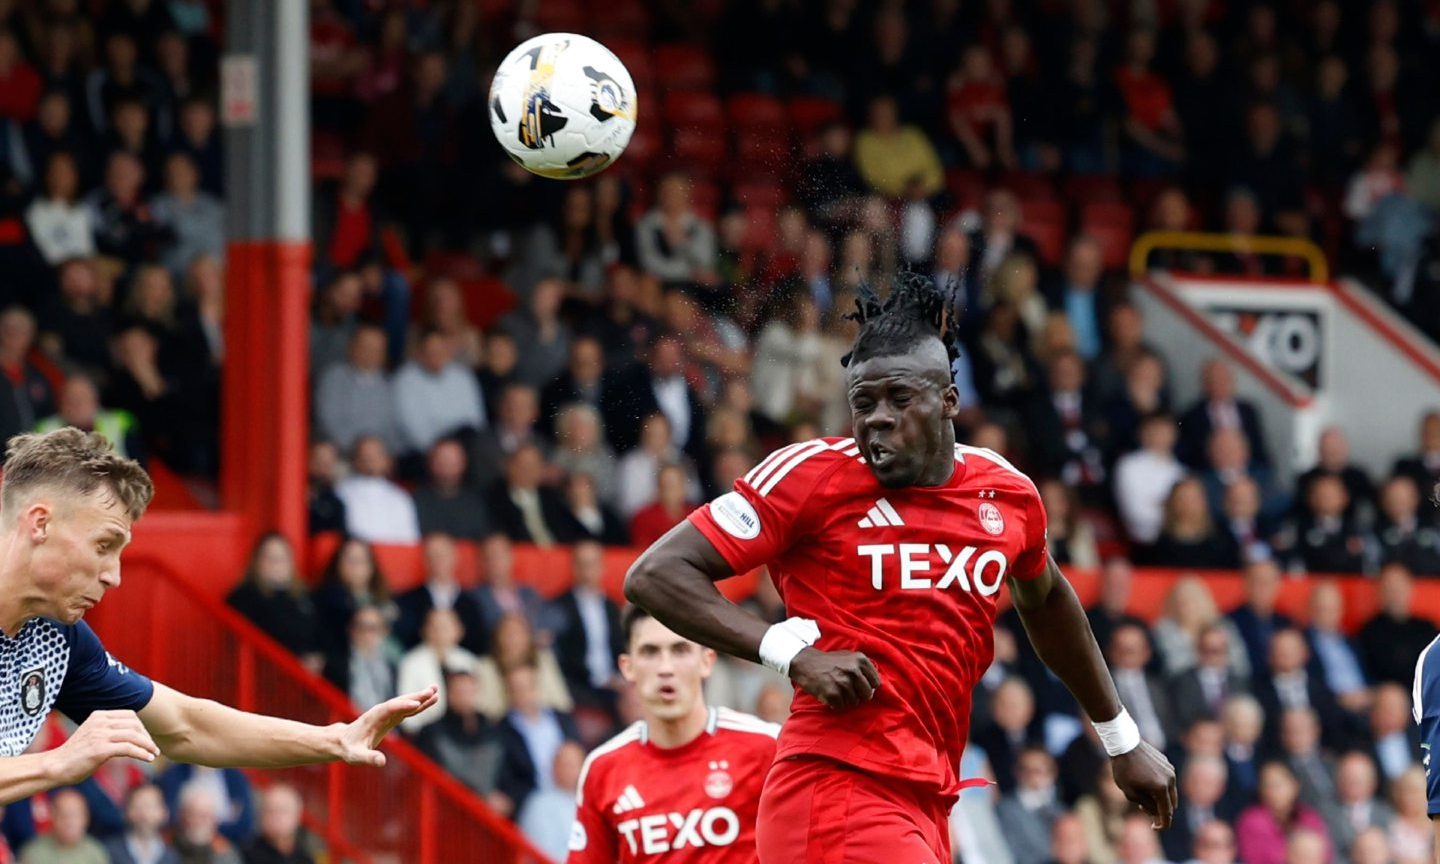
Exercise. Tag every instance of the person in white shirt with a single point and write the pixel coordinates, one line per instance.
(439, 650)
(59, 222)
(435, 397)
(548, 814)
(636, 476)
(376, 509)
(1144, 478)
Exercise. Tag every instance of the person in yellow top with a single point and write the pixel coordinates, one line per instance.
(890, 156)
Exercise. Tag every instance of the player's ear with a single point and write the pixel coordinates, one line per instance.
(627, 669)
(707, 662)
(37, 520)
(950, 402)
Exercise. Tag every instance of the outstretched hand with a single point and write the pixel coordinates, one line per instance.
(360, 739)
(1148, 779)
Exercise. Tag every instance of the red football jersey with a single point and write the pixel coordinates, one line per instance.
(907, 576)
(693, 804)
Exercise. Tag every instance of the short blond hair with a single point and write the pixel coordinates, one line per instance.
(73, 461)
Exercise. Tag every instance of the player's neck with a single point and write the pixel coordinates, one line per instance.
(17, 604)
(669, 734)
(939, 472)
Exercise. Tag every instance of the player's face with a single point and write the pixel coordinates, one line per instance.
(668, 670)
(76, 547)
(901, 408)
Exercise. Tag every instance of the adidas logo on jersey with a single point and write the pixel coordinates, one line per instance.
(629, 800)
(882, 515)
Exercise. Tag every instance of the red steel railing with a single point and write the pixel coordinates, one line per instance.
(410, 812)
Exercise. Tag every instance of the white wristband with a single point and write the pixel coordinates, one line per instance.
(1120, 735)
(786, 639)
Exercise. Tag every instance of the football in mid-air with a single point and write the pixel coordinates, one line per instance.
(562, 105)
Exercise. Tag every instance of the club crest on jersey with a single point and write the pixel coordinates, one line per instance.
(719, 784)
(32, 692)
(735, 516)
(991, 520)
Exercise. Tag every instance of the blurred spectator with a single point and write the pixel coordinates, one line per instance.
(786, 375)
(1251, 531)
(77, 323)
(25, 394)
(587, 631)
(996, 237)
(549, 813)
(1377, 179)
(1215, 844)
(1422, 180)
(376, 509)
(125, 226)
(444, 310)
(1102, 815)
(1068, 843)
(145, 818)
(435, 397)
(1016, 281)
(669, 509)
(1263, 829)
(348, 230)
(441, 590)
(515, 425)
(1334, 654)
(498, 594)
(1256, 619)
(594, 520)
(280, 840)
(1412, 838)
(132, 131)
(19, 82)
(273, 597)
(829, 184)
(1071, 534)
(674, 243)
(1218, 409)
(1028, 814)
(79, 406)
(337, 307)
(1269, 165)
(1153, 136)
(1392, 728)
(196, 219)
(1424, 465)
(1203, 802)
(978, 113)
(1200, 692)
(464, 742)
(325, 510)
(1287, 683)
(1323, 539)
(1243, 721)
(197, 837)
(448, 503)
(891, 156)
(1228, 460)
(512, 645)
(638, 472)
(583, 380)
(1079, 294)
(1313, 767)
(1141, 391)
(354, 398)
(1335, 138)
(523, 509)
(545, 336)
(581, 448)
(1358, 806)
(567, 248)
(1148, 700)
(532, 736)
(1066, 430)
(1371, 846)
(59, 224)
(1189, 612)
(197, 137)
(1005, 372)
(1401, 535)
(1138, 843)
(1390, 641)
(1111, 609)
(67, 843)
(425, 664)
(1009, 730)
(1334, 461)
(363, 666)
(352, 580)
(1188, 536)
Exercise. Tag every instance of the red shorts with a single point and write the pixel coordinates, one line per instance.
(818, 811)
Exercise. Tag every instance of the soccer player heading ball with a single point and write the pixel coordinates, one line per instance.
(67, 503)
(888, 549)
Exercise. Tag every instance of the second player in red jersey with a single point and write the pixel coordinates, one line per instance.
(889, 549)
(682, 785)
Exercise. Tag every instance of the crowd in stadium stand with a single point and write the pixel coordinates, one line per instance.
(498, 359)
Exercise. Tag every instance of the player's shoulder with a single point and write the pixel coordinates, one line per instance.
(746, 727)
(984, 464)
(802, 465)
(611, 752)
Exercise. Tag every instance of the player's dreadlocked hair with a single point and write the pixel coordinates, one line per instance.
(916, 309)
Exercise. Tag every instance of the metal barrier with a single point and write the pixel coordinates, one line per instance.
(410, 812)
(1197, 241)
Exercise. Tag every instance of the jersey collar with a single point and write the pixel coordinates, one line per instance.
(712, 720)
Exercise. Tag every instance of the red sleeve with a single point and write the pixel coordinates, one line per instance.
(592, 840)
(756, 522)
(1035, 555)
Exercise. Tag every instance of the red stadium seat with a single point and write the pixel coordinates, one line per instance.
(1113, 232)
(808, 114)
(618, 18)
(683, 67)
(561, 16)
(694, 111)
(636, 57)
(756, 111)
(768, 193)
(699, 150)
(486, 299)
(1028, 186)
(760, 230)
(762, 151)
(966, 186)
(705, 198)
(327, 156)
(1097, 213)
(1081, 188)
(1044, 222)
(645, 143)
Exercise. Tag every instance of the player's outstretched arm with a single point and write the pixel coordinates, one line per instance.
(205, 732)
(104, 735)
(1060, 632)
(674, 580)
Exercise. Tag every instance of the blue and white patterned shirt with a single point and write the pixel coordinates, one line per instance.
(50, 665)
